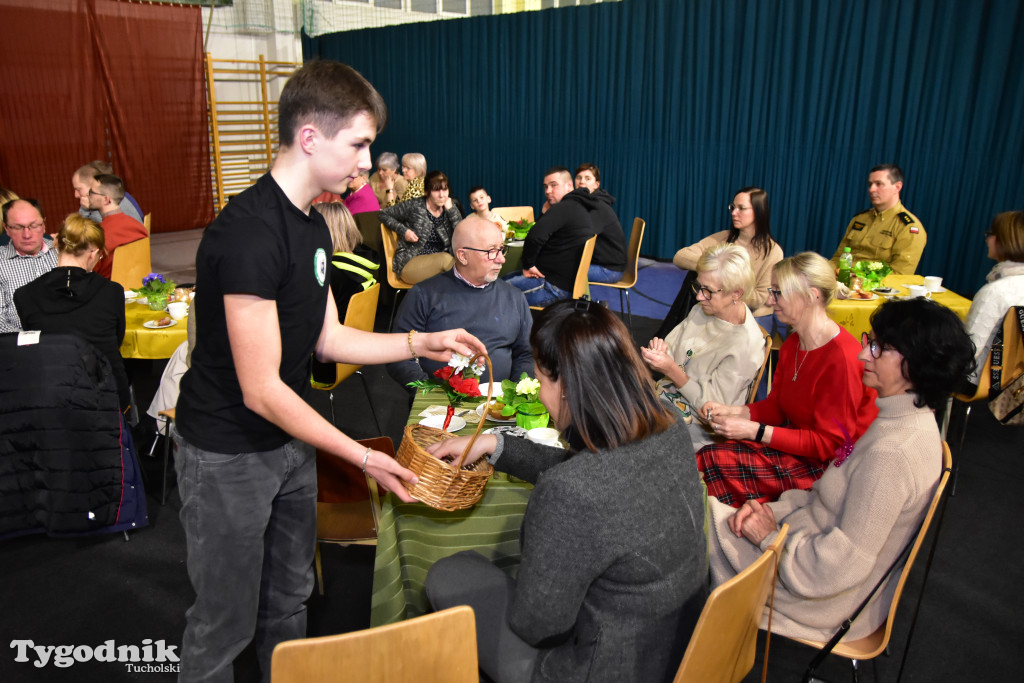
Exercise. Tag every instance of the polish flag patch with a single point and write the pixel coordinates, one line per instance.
(913, 230)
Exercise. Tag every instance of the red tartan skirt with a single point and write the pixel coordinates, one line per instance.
(737, 471)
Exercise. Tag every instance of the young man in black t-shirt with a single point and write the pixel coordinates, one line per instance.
(246, 463)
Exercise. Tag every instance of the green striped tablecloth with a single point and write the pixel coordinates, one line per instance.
(412, 536)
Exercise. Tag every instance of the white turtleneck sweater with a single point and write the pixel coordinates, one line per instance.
(848, 529)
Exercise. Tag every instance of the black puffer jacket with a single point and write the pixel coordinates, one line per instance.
(67, 464)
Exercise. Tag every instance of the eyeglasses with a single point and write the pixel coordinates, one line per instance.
(873, 346)
(701, 289)
(491, 253)
(38, 225)
(97, 194)
(739, 207)
(774, 293)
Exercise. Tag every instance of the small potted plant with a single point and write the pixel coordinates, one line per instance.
(520, 228)
(459, 380)
(521, 399)
(871, 273)
(156, 289)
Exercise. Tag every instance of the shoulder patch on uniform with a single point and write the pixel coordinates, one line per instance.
(913, 230)
(320, 266)
(905, 217)
(857, 225)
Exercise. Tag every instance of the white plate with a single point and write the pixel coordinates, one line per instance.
(857, 298)
(940, 290)
(480, 411)
(142, 300)
(130, 294)
(152, 325)
(497, 389)
(517, 243)
(129, 301)
(509, 430)
(437, 422)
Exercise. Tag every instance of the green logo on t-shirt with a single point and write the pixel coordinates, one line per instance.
(320, 266)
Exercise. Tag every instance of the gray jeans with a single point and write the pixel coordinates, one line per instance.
(469, 578)
(250, 528)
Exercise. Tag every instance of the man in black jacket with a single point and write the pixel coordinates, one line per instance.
(554, 245)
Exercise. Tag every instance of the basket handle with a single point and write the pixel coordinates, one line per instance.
(480, 424)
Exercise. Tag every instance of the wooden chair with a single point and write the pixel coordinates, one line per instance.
(764, 364)
(435, 648)
(629, 276)
(131, 262)
(361, 314)
(724, 643)
(1013, 367)
(875, 644)
(514, 213)
(347, 502)
(147, 222)
(579, 287)
(389, 241)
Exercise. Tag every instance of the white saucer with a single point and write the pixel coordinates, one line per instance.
(480, 411)
(437, 422)
(152, 325)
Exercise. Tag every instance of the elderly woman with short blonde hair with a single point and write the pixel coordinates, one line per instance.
(716, 352)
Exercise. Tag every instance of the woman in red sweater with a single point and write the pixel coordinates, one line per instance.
(818, 406)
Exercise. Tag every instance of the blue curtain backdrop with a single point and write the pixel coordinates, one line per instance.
(680, 103)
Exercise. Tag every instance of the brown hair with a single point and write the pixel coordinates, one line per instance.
(329, 95)
(587, 166)
(112, 186)
(78, 234)
(608, 393)
(1008, 229)
(435, 180)
(93, 169)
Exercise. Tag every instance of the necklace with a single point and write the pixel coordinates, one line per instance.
(690, 353)
(800, 363)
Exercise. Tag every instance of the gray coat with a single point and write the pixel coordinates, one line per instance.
(614, 566)
(412, 215)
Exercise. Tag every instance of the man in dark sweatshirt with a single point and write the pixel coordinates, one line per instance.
(554, 245)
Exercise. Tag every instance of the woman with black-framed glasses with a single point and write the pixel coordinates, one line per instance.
(715, 353)
(849, 528)
(816, 407)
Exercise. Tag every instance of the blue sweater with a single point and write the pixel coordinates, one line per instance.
(497, 315)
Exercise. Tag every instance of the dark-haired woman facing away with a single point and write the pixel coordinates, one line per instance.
(848, 529)
(613, 575)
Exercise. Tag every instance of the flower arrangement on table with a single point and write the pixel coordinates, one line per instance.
(156, 288)
(871, 274)
(521, 399)
(520, 228)
(459, 380)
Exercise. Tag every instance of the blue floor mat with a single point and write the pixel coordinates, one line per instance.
(656, 288)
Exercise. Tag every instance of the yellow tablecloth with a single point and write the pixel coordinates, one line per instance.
(412, 536)
(141, 342)
(855, 314)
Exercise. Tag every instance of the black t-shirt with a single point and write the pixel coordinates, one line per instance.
(260, 244)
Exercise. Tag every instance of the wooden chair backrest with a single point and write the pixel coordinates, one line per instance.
(434, 648)
(389, 240)
(347, 502)
(636, 238)
(579, 287)
(147, 222)
(764, 364)
(361, 314)
(1013, 360)
(514, 213)
(131, 262)
(722, 646)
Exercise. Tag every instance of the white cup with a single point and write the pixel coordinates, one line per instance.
(546, 436)
(177, 310)
(933, 283)
(919, 290)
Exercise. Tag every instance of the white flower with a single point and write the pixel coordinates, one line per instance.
(527, 386)
(479, 366)
(459, 362)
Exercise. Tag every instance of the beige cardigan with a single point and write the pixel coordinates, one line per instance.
(848, 529)
(687, 257)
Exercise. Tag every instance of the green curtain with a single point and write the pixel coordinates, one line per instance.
(681, 103)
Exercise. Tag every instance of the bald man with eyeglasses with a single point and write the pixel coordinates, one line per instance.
(471, 296)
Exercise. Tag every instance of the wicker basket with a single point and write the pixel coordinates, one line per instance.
(442, 485)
